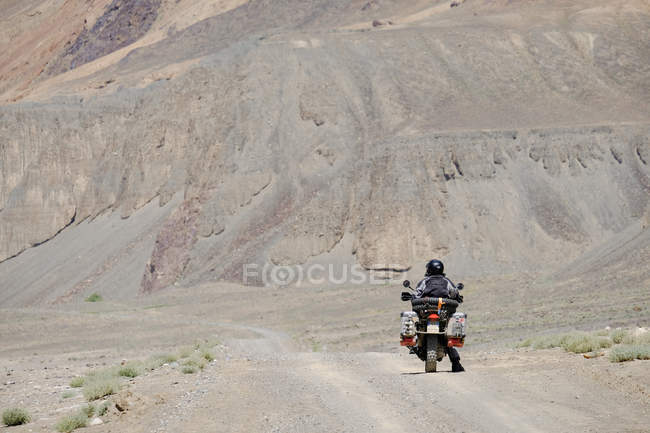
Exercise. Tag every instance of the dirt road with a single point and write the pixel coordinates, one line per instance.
(309, 361)
(266, 386)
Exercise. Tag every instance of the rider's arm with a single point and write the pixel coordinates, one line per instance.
(453, 291)
(419, 289)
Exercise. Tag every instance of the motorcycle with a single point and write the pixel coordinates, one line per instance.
(431, 327)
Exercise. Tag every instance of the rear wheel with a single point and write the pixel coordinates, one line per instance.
(430, 364)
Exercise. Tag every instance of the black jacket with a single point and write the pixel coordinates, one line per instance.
(436, 286)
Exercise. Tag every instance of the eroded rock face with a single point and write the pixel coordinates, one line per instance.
(415, 143)
(511, 196)
(123, 22)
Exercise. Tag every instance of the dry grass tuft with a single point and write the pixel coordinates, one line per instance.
(207, 355)
(88, 410)
(583, 343)
(77, 382)
(185, 352)
(578, 342)
(131, 370)
(188, 369)
(103, 408)
(630, 344)
(72, 422)
(100, 387)
(637, 338)
(618, 335)
(95, 297)
(160, 360)
(628, 352)
(15, 416)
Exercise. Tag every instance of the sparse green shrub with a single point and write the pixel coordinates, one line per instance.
(583, 343)
(102, 373)
(88, 410)
(550, 341)
(637, 338)
(185, 352)
(103, 408)
(72, 422)
(526, 343)
(15, 416)
(195, 362)
(129, 370)
(68, 394)
(618, 335)
(152, 363)
(95, 297)
(77, 382)
(101, 387)
(158, 361)
(167, 358)
(579, 342)
(188, 369)
(628, 352)
(207, 355)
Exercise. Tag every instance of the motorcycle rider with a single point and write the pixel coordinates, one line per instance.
(436, 285)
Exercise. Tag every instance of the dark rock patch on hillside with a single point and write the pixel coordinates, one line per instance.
(123, 22)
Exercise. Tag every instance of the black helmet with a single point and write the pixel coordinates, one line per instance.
(435, 267)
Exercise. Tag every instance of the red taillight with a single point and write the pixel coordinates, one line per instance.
(455, 342)
(407, 341)
(434, 316)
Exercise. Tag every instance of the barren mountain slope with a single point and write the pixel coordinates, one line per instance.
(495, 134)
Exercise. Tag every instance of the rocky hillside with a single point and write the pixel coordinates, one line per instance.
(496, 134)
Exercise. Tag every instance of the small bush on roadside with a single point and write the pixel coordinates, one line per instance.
(99, 388)
(628, 352)
(188, 369)
(583, 343)
(152, 363)
(637, 338)
(618, 335)
(88, 410)
(95, 297)
(550, 341)
(158, 361)
(167, 358)
(15, 416)
(77, 382)
(185, 352)
(526, 343)
(207, 355)
(195, 362)
(578, 342)
(129, 370)
(72, 422)
(627, 344)
(103, 408)
(102, 373)
(68, 394)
